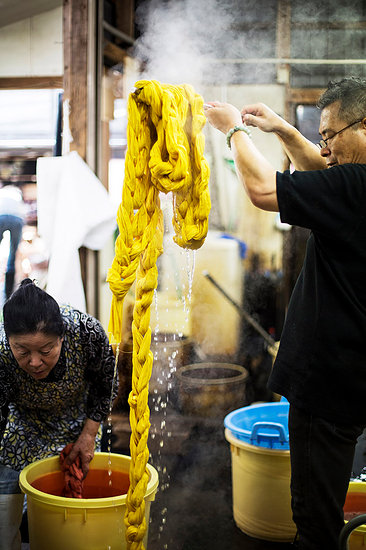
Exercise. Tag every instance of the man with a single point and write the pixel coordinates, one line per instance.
(321, 363)
(12, 215)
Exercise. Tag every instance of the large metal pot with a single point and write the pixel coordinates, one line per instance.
(170, 352)
(211, 389)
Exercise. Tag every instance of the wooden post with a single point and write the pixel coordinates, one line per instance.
(77, 89)
(75, 29)
(283, 43)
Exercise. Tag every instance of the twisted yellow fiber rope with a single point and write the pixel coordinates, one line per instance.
(164, 153)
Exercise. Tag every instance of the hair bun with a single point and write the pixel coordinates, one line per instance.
(26, 282)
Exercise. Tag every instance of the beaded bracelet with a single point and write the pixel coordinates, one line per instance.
(243, 128)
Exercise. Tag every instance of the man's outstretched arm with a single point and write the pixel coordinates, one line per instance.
(303, 154)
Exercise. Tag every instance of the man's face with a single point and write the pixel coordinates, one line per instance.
(345, 147)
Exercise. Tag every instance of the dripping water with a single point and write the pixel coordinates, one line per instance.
(167, 352)
(190, 267)
(109, 421)
(191, 263)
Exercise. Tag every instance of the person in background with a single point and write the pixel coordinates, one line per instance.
(12, 215)
(57, 378)
(321, 363)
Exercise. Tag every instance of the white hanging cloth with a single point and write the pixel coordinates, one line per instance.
(73, 209)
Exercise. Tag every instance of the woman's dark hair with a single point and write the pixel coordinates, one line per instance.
(30, 309)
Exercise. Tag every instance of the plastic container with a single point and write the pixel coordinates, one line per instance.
(79, 524)
(215, 322)
(261, 472)
(264, 425)
(355, 505)
(261, 491)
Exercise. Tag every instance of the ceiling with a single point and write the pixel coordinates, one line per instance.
(13, 11)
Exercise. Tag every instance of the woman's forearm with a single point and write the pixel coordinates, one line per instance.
(90, 428)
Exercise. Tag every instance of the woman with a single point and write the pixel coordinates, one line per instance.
(56, 376)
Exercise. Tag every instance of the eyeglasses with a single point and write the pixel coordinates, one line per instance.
(324, 142)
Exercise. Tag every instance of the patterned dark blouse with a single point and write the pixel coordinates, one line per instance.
(45, 415)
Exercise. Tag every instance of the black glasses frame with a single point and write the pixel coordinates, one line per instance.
(323, 143)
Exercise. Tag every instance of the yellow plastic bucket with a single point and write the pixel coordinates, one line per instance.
(357, 539)
(261, 490)
(79, 524)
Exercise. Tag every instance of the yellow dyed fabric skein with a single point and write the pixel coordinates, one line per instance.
(165, 153)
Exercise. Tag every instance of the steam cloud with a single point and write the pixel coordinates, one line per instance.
(180, 38)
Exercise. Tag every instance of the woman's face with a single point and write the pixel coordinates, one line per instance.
(36, 353)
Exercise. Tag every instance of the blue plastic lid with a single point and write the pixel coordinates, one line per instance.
(262, 425)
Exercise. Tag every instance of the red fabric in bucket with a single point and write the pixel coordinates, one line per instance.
(73, 475)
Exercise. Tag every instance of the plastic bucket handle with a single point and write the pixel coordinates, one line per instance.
(272, 425)
(348, 528)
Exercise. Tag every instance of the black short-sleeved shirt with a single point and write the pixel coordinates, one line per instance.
(321, 363)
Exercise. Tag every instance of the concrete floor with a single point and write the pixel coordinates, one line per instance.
(193, 505)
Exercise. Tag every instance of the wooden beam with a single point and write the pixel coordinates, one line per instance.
(247, 26)
(304, 96)
(329, 25)
(125, 17)
(75, 19)
(114, 53)
(32, 82)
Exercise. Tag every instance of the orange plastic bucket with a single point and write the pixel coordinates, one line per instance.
(355, 505)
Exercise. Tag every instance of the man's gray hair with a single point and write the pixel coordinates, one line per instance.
(351, 92)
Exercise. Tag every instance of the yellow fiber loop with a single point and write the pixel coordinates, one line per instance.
(165, 153)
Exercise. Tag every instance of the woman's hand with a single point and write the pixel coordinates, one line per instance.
(84, 446)
(222, 116)
(262, 117)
